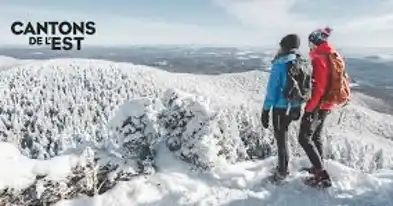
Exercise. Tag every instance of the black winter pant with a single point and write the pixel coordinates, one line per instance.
(281, 122)
(310, 136)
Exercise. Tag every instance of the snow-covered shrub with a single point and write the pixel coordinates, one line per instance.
(259, 143)
(95, 174)
(137, 131)
(196, 134)
(230, 143)
(187, 129)
(357, 154)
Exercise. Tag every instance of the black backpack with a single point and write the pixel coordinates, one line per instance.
(298, 87)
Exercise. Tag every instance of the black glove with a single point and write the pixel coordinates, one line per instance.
(313, 120)
(308, 116)
(265, 118)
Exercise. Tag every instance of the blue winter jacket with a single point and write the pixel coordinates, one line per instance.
(277, 82)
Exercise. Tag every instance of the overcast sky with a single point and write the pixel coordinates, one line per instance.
(218, 22)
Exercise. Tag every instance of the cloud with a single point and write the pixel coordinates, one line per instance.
(373, 24)
(263, 13)
(263, 22)
(367, 31)
(125, 30)
(355, 22)
(267, 16)
(139, 31)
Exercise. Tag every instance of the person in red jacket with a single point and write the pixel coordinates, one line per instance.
(316, 112)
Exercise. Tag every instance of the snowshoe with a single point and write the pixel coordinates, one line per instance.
(320, 179)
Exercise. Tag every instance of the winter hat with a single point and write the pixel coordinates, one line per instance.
(290, 41)
(319, 36)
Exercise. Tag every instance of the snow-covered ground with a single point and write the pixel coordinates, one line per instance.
(185, 139)
(239, 184)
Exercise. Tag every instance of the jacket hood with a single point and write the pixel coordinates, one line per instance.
(283, 57)
(320, 49)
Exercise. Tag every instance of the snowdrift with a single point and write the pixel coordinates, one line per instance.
(173, 135)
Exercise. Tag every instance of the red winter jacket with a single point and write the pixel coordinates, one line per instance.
(320, 75)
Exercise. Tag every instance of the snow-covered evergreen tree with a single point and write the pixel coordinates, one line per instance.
(197, 134)
(136, 131)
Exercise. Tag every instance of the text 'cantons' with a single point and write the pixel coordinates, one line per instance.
(62, 35)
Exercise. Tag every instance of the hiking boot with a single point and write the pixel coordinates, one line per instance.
(320, 178)
(310, 170)
(278, 175)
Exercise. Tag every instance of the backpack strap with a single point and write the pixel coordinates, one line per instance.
(326, 55)
(289, 64)
(330, 75)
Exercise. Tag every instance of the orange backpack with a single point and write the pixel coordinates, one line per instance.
(338, 89)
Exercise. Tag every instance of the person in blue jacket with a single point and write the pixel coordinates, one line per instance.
(284, 112)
